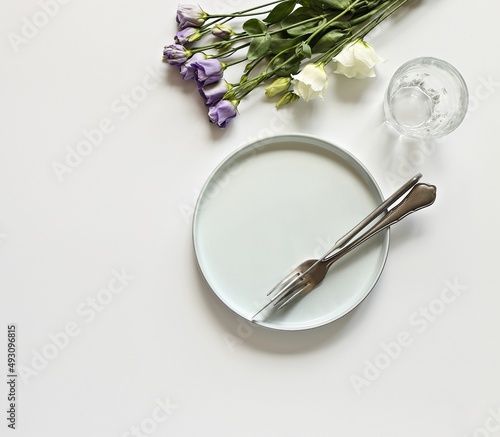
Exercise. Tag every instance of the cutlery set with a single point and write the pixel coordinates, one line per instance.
(411, 197)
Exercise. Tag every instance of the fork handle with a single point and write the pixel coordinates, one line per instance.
(420, 196)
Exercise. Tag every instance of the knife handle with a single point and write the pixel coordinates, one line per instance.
(420, 196)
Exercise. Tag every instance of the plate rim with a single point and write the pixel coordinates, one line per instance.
(275, 139)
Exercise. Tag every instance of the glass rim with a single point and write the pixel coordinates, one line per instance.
(429, 61)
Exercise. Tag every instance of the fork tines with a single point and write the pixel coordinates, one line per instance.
(286, 290)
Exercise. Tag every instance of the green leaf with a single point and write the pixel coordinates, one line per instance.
(259, 46)
(326, 4)
(317, 5)
(308, 3)
(280, 43)
(297, 17)
(306, 28)
(254, 27)
(340, 25)
(327, 41)
(280, 11)
(288, 69)
(337, 4)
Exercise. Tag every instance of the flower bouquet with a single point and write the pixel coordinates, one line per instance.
(284, 43)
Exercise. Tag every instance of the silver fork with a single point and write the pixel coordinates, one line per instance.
(310, 273)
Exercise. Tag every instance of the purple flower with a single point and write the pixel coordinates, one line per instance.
(190, 16)
(183, 35)
(175, 54)
(188, 68)
(214, 92)
(222, 113)
(208, 71)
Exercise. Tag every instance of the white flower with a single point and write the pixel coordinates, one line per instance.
(311, 82)
(357, 60)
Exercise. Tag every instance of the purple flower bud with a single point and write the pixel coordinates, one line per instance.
(188, 68)
(175, 54)
(222, 31)
(214, 92)
(190, 16)
(208, 71)
(222, 113)
(183, 35)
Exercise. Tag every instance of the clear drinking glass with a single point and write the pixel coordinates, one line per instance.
(426, 98)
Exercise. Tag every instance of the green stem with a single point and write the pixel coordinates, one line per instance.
(363, 30)
(282, 53)
(361, 19)
(366, 22)
(330, 21)
(231, 51)
(245, 11)
(236, 62)
(254, 64)
(224, 18)
(300, 42)
(317, 31)
(231, 16)
(253, 83)
(246, 88)
(243, 35)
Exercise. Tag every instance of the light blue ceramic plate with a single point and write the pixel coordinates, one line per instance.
(273, 204)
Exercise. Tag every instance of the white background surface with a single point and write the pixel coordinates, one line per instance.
(127, 207)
